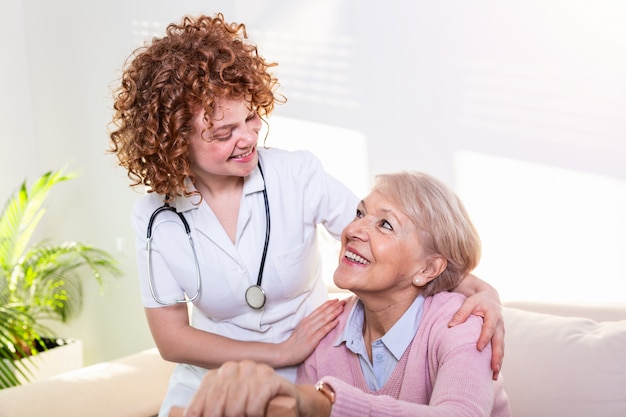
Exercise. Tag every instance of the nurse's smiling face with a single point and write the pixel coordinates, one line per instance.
(228, 148)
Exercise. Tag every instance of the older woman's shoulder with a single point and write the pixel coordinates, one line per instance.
(439, 310)
(448, 298)
(442, 306)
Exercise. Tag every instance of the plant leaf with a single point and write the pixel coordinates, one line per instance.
(22, 214)
(40, 282)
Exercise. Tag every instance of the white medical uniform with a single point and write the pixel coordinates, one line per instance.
(301, 196)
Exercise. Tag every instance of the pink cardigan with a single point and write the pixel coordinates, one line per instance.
(440, 374)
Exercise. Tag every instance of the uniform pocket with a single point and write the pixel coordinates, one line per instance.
(298, 268)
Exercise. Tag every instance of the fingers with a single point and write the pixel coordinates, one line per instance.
(326, 316)
(236, 388)
(497, 351)
(197, 405)
(317, 324)
(490, 324)
(176, 412)
(328, 311)
(493, 331)
(241, 389)
(310, 331)
(463, 313)
(489, 307)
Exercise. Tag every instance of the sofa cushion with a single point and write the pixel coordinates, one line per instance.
(132, 386)
(564, 366)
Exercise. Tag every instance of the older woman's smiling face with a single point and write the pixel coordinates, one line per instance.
(381, 250)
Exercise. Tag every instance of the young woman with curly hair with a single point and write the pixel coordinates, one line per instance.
(225, 224)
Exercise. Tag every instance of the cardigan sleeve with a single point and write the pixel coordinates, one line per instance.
(307, 371)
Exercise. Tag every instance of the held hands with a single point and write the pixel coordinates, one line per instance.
(485, 302)
(250, 389)
(310, 331)
(254, 390)
(238, 389)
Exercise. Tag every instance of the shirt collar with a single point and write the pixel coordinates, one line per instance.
(396, 340)
(251, 184)
(254, 182)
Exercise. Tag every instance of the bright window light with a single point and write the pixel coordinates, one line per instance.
(549, 234)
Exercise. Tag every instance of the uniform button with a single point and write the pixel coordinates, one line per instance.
(379, 356)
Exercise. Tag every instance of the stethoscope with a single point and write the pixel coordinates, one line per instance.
(255, 295)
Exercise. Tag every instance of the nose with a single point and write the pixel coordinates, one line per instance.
(247, 138)
(357, 229)
(250, 132)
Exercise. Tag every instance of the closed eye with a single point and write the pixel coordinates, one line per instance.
(224, 138)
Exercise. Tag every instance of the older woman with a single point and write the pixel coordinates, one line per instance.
(392, 352)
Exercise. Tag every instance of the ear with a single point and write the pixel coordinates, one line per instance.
(434, 267)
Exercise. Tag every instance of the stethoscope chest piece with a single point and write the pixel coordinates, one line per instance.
(255, 297)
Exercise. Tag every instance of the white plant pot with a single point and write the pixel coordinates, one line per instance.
(55, 361)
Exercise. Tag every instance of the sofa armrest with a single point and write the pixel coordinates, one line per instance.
(132, 386)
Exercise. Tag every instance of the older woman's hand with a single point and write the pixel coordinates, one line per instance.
(483, 300)
(246, 389)
(238, 388)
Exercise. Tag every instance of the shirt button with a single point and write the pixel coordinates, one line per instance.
(379, 356)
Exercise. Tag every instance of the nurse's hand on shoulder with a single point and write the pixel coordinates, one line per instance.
(485, 302)
(309, 332)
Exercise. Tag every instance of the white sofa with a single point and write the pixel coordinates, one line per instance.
(561, 361)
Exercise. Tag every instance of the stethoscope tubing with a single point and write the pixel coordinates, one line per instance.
(167, 207)
(267, 230)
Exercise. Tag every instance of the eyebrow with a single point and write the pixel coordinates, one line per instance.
(384, 210)
(229, 126)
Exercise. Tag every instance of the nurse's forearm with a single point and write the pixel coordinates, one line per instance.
(208, 350)
(178, 342)
(471, 285)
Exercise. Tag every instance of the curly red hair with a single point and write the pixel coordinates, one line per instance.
(197, 61)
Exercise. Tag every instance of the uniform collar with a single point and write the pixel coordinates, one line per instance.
(254, 182)
(251, 184)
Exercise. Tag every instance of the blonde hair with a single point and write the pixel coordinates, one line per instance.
(442, 220)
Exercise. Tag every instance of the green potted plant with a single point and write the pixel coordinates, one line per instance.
(38, 282)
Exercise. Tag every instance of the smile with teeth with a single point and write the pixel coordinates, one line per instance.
(243, 155)
(356, 258)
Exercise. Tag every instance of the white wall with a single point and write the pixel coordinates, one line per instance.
(539, 82)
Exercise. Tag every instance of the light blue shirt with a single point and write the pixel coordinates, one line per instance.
(386, 351)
